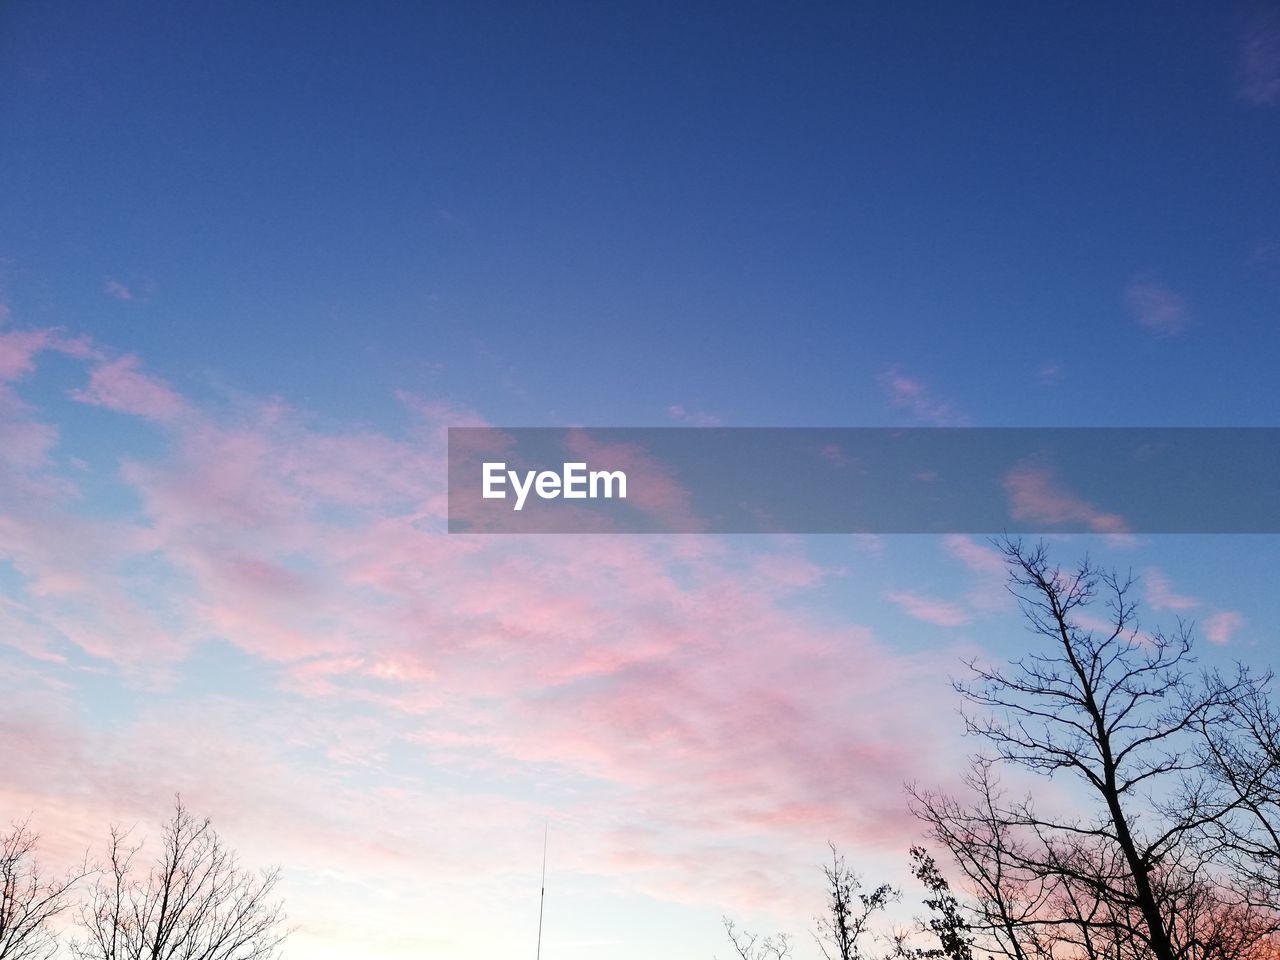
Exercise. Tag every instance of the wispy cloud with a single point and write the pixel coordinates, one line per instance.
(114, 288)
(662, 693)
(1036, 495)
(655, 491)
(1221, 626)
(692, 418)
(1162, 596)
(914, 396)
(940, 613)
(1156, 308)
(121, 386)
(988, 568)
(835, 455)
(19, 349)
(1259, 60)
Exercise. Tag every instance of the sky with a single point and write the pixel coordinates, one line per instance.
(255, 259)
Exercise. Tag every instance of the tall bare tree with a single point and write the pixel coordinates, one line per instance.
(1122, 715)
(30, 902)
(193, 902)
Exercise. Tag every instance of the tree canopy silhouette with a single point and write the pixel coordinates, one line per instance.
(30, 901)
(1159, 840)
(193, 901)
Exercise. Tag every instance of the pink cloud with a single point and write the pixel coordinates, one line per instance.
(119, 385)
(1161, 595)
(114, 288)
(1220, 627)
(1036, 496)
(938, 612)
(988, 568)
(912, 395)
(1156, 308)
(652, 485)
(18, 350)
(670, 698)
(26, 445)
(983, 560)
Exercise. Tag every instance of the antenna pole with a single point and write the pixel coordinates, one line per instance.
(542, 896)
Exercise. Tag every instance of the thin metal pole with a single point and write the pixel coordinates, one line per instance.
(542, 896)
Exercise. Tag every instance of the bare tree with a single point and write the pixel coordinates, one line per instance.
(852, 929)
(1006, 898)
(752, 946)
(1244, 757)
(1213, 922)
(29, 901)
(194, 902)
(843, 931)
(1122, 715)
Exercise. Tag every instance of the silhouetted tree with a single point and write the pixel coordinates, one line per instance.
(1006, 897)
(842, 930)
(1244, 758)
(1137, 873)
(193, 902)
(752, 946)
(948, 922)
(29, 901)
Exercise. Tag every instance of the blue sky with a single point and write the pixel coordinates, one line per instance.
(253, 259)
(588, 214)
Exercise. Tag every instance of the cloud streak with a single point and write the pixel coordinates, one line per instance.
(1037, 496)
(692, 418)
(1259, 61)
(940, 613)
(1156, 308)
(914, 396)
(116, 290)
(120, 385)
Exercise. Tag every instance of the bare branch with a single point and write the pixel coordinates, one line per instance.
(195, 901)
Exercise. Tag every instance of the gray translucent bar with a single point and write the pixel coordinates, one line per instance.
(865, 480)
